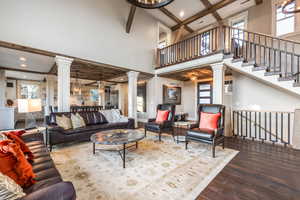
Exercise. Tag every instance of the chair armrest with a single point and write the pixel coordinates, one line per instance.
(151, 120)
(194, 126)
(167, 124)
(55, 128)
(219, 132)
(61, 191)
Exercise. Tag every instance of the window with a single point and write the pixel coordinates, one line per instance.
(29, 91)
(285, 23)
(94, 94)
(141, 97)
(238, 34)
(204, 93)
(205, 43)
(162, 44)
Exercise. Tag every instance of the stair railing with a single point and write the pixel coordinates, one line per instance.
(277, 56)
(264, 126)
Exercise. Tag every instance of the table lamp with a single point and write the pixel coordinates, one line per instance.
(29, 106)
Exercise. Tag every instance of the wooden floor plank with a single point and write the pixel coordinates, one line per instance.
(258, 172)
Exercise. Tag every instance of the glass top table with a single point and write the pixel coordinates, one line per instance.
(118, 137)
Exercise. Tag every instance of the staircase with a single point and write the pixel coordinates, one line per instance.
(272, 60)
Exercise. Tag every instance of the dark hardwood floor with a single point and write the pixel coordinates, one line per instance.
(259, 171)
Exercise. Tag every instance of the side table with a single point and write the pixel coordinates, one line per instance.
(180, 128)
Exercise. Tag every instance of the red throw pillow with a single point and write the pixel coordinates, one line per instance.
(209, 120)
(162, 115)
(18, 133)
(22, 145)
(15, 165)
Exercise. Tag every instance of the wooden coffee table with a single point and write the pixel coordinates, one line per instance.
(118, 137)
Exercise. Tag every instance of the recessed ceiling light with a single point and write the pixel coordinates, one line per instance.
(23, 65)
(22, 58)
(181, 14)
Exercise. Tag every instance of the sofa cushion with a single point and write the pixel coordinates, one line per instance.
(153, 126)
(199, 133)
(64, 122)
(43, 184)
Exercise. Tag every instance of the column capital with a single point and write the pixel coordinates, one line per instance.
(133, 74)
(63, 60)
(218, 66)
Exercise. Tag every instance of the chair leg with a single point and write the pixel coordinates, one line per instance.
(159, 136)
(213, 150)
(223, 144)
(50, 148)
(145, 132)
(186, 144)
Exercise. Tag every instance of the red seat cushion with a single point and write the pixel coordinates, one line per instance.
(209, 120)
(162, 115)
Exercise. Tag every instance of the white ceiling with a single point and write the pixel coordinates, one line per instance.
(10, 58)
(192, 7)
(22, 75)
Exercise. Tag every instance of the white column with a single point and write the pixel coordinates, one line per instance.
(218, 82)
(2, 88)
(132, 95)
(296, 133)
(50, 85)
(63, 83)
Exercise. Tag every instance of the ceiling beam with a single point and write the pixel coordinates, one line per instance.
(216, 15)
(130, 18)
(258, 2)
(203, 13)
(22, 70)
(174, 18)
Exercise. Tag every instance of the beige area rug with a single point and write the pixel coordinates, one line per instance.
(156, 170)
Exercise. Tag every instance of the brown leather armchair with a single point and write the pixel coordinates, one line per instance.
(213, 137)
(163, 126)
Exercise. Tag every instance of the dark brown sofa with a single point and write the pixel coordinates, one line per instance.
(95, 122)
(49, 185)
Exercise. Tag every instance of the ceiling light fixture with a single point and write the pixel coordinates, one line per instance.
(181, 14)
(150, 4)
(23, 65)
(287, 10)
(22, 58)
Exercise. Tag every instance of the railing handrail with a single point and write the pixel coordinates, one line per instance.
(262, 34)
(225, 26)
(267, 111)
(216, 27)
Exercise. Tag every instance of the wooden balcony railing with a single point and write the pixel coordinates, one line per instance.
(277, 56)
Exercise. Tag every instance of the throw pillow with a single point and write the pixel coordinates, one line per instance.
(162, 115)
(64, 122)
(209, 120)
(9, 189)
(15, 165)
(22, 145)
(82, 122)
(18, 133)
(108, 115)
(76, 121)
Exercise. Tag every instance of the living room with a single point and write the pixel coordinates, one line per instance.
(139, 99)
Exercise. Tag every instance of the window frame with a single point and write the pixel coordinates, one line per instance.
(204, 90)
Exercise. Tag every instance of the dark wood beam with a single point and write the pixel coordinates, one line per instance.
(22, 70)
(22, 79)
(53, 69)
(130, 18)
(258, 2)
(216, 15)
(203, 13)
(174, 18)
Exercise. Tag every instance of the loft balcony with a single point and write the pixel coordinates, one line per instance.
(274, 55)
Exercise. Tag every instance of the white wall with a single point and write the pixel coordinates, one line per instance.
(88, 29)
(189, 96)
(255, 95)
(155, 94)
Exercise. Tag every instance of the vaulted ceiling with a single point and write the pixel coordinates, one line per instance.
(197, 14)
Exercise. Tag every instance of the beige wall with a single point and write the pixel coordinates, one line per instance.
(88, 29)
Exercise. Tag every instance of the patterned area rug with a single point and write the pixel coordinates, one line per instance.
(156, 170)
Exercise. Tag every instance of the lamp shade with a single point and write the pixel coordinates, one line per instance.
(29, 105)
